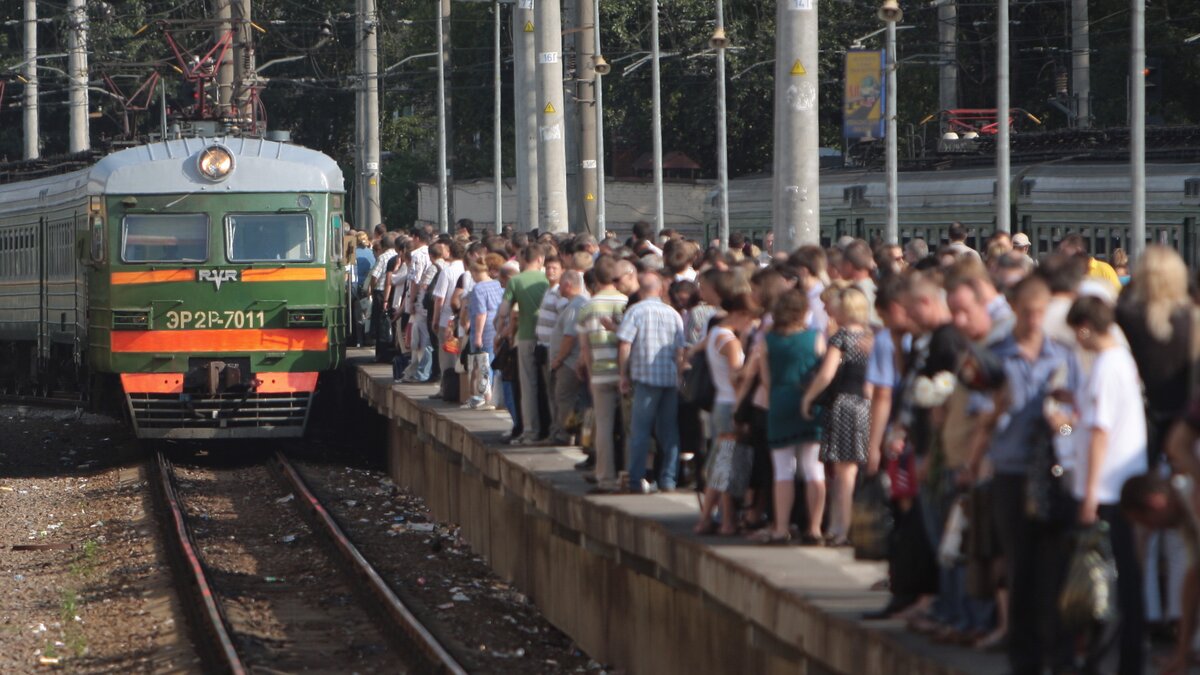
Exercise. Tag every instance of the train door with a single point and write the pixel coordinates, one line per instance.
(1189, 242)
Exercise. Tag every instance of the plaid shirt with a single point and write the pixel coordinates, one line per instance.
(655, 333)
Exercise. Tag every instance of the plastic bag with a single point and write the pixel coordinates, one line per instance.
(871, 519)
(1090, 593)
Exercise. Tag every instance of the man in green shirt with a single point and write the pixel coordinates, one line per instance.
(524, 292)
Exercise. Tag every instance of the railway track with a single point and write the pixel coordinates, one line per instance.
(250, 616)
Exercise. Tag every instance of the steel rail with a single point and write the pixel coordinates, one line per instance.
(222, 651)
(370, 582)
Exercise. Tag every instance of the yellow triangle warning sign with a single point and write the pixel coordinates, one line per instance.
(549, 109)
(798, 68)
(528, 26)
(590, 197)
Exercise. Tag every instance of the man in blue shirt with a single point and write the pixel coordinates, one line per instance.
(1035, 552)
(364, 260)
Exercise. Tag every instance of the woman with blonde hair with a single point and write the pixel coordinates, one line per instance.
(846, 410)
(1154, 311)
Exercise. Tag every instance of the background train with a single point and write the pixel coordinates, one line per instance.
(199, 279)
(1049, 200)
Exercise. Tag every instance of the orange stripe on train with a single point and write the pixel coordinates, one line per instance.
(172, 383)
(221, 340)
(152, 276)
(284, 274)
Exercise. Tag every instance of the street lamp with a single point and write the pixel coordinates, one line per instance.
(891, 13)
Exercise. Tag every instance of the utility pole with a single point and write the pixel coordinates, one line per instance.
(1003, 188)
(446, 98)
(525, 119)
(1137, 128)
(599, 69)
(552, 156)
(370, 149)
(1081, 64)
(585, 91)
(571, 110)
(243, 62)
(719, 42)
(360, 120)
(656, 114)
(29, 72)
(442, 123)
(948, 55)
(223, 9)
(797, 189)
(497, 144)
(77, 74)
(891, 233)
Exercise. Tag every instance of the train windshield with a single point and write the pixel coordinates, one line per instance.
(260, 237)
(181, 237)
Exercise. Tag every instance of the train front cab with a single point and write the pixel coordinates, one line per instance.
(219, 312)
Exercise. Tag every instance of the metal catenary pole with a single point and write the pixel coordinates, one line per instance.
(599, 92)
(525, 122)
(497, 142)
(1081, 64)
(656, 113)
(1003, 187)
(29, 106)
(1137, 128)
(552, 158)
(370, 175)
(443, 187)
(948, 55)
(797, 196)
(360, 119)
(585, 93)
(891, 232)
(223, 9)
(719, 42)
(77, 72)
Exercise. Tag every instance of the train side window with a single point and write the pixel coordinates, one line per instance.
(97, 231)
(335, 237)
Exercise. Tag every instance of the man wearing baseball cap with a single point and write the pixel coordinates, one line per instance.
(1022, 245)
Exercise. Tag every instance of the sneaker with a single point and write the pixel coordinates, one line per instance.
(643, 487)
(524, 439)
(587, 464)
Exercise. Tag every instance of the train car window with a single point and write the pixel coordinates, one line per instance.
(335, 237)
(261, 237)
(161, 237)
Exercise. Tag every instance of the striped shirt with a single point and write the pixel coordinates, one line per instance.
(552, 304)
(602, 342)
(655, 333)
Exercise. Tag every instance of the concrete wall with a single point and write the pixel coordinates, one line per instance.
(626, 202)
(635, 591)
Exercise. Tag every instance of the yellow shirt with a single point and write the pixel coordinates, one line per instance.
(1099, 269)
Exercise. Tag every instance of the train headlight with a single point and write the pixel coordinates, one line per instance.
(215, 162)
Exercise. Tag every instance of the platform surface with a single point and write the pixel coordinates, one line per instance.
(788, 591)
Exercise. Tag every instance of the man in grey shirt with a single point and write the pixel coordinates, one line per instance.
(564, 354)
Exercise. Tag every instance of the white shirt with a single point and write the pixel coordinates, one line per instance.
(1111, 399)
(398, 279)
(444, 288)
(418, 263)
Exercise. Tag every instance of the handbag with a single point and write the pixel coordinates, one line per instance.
(1047, 499)
(697, 386)
(479, 371)
(452, 345)
(871, 519)
(1089, 595)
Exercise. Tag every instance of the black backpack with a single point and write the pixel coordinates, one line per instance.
(427, 300)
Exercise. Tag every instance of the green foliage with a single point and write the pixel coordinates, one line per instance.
(313, 96)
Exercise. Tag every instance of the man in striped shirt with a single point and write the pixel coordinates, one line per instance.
(552, 304)
(596, 328)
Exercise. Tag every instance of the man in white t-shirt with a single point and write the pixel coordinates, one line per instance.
(1112, 418)
(442, 311)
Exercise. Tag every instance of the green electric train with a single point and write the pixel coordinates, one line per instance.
(199, 279)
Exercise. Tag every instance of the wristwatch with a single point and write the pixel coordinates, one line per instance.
(1065, 430)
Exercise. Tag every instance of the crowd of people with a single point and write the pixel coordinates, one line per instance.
(1000, 408)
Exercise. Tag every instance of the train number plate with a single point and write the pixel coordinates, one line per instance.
(214, 318)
